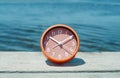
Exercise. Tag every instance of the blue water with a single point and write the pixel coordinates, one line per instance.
(97, 24)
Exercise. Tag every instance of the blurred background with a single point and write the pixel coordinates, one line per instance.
(97, 23)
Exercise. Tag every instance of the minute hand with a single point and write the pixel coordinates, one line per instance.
(66, 40)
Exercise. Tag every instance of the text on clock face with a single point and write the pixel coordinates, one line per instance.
(57, 33)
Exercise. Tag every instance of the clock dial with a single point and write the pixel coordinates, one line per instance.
(59, 43)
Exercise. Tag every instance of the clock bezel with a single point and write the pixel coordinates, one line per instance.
(59, 61)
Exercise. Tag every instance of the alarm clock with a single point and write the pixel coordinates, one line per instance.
(59, 43)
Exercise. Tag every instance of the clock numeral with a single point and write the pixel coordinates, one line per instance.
(47, 37)
(48, 49)
(73, 43)
(45, 43)
(53, 53)
(66, 32)
(66, 54)
(59, 56)
(59, 31)
(71, 49)
(53, 33)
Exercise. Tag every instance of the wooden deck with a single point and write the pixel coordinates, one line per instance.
(84, 65)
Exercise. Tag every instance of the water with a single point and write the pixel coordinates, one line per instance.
(97, 24)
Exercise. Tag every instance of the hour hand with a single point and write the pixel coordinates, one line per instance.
(54, 40)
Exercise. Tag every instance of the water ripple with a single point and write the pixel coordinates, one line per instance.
(97, 24)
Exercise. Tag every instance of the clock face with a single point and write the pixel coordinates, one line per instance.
(60, 43)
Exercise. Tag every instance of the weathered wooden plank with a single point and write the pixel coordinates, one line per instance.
(35, 62)
(60, 75)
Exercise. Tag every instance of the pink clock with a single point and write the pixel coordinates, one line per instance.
(60, 43)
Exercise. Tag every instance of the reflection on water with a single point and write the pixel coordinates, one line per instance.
(22, 24)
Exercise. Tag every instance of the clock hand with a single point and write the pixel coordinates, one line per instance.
(66, 49)
(55, 45)
(54, 40)
(64, 41)
(60, 44)
(67, 39)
